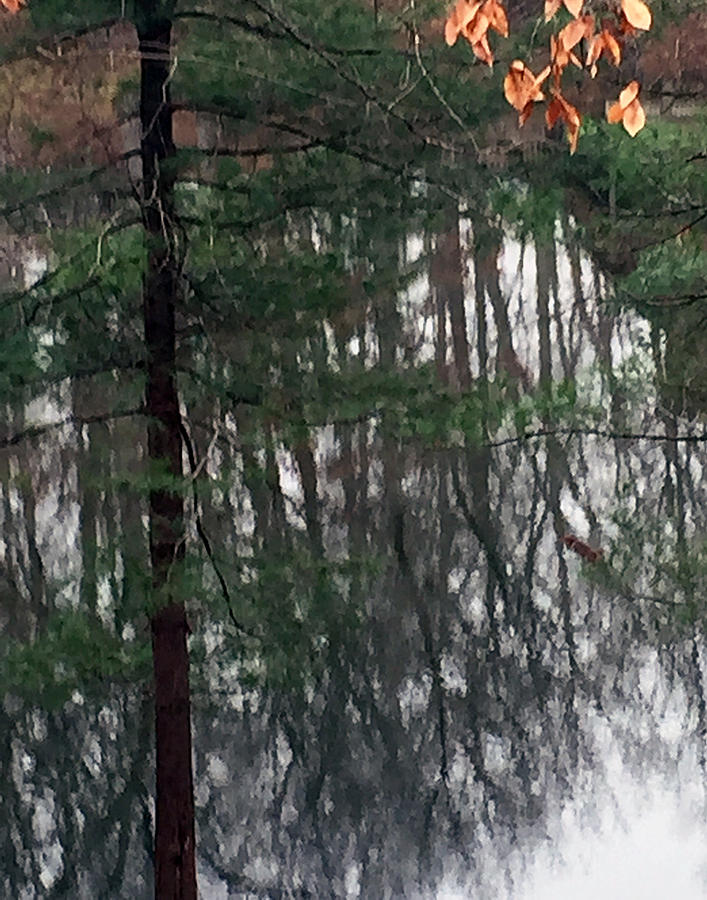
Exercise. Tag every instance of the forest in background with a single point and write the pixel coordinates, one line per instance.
(411, 347)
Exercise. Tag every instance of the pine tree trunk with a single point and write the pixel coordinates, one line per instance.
(175, 873)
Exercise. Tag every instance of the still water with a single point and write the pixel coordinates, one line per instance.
(444, 701)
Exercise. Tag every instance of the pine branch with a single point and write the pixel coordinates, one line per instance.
(270, 34)
(598, 432)
(29, 47)
(17, 296)
(80, 179)
(355, 81)
(39, 430)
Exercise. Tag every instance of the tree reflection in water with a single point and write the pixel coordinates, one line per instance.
(429, 695)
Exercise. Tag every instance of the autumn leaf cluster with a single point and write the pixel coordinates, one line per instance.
(473, 19)
(523, 89)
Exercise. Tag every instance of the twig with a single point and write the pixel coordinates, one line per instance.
(438, 94)
(195, 469)
(597, 432)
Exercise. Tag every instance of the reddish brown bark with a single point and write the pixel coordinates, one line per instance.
(175, 870)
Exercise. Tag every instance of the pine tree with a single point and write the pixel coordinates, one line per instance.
(308, 121)
(240, 177)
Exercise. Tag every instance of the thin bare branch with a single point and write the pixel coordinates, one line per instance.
(39, 430)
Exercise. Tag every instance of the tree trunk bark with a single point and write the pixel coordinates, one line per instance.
(175, 871)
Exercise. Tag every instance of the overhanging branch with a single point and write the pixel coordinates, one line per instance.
(38, 430)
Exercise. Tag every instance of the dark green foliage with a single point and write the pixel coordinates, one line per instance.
(651, 562)
(22, 356)
(285, 256)
(74, 651)
(297, 608)
(640, 205)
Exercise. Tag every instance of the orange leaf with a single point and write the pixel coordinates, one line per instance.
(613, 48)
(604, 44)
(451, 32)
(513, 85)
(525, 113)
(573, 136)
(625, 27)
(628, 110)
(637, 14)
(461, 16)
(482, 50)
(629, 94)
(553, 112)
(634, 118)
(522, 87)
(596, 48)
(496, 14)
(476, 29)
(543, 75)
(561, 109)
(551, 7)
(561, 58)
(614, 114)
(573, 33)
(575, 7)
(13, 6)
